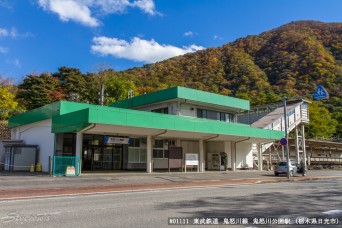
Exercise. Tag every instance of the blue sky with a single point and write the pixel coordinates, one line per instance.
(38, 36)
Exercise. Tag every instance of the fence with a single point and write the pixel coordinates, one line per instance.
(323, 160)
(66, 166)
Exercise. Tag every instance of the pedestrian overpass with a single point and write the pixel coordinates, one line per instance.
(271, 117)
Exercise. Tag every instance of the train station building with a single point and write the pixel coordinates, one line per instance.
(171, 129)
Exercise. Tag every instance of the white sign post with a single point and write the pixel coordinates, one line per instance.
(191, 159)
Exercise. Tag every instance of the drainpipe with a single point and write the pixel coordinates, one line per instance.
(234, 165)
(165, 131)
(216, 136)
(85, 130)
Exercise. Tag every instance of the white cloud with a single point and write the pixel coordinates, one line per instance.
(13, 33)
(3, 32)
(82, 11)
(145, 5)
(5, 4)
(3, 50)
(70, 10)
(189, 33)
(147, 51)
(216, 37)
(14, 62)
(17, 63)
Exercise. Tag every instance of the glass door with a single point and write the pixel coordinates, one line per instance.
(117, 158)
(108, 158)
(97, 158)
(87, 159)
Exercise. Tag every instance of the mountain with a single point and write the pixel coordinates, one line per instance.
(292, 59)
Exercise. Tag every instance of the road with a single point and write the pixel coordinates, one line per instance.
(288, 200)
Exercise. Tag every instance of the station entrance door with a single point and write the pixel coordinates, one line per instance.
(102, 158)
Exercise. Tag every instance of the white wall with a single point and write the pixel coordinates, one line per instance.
(244, 155)
(160, 163)
(297, 112)
(38, 133)
(190, 147)
(228, 150)
(188, 110)
(214, 147)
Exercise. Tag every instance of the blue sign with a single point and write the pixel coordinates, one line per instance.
(283, 141)
(116, 140)
(320, 93)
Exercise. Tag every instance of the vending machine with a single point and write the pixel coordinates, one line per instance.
(214, 161)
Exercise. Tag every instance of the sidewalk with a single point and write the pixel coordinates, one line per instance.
(24, 186)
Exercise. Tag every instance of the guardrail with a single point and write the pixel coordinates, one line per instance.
(326, 159)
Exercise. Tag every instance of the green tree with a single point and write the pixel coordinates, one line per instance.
(36, 91)
(7, 103)
(118, 89)
(338, 117)
(321, 122)
(75, 85)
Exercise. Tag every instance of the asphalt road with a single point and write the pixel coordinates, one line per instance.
(288, 201)
(22, 181)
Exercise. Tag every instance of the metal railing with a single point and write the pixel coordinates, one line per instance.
(326, 159)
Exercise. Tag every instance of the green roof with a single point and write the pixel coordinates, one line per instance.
(73, 117)
(184, 94)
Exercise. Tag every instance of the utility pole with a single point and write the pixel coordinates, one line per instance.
(287, 139)
(102, 74)
(102, 94)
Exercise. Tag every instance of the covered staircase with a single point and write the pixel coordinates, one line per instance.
(272, 117)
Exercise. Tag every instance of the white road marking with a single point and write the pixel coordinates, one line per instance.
(333, 212)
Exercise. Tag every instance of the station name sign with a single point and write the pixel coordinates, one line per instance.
(116, 140)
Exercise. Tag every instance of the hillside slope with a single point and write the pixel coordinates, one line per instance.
(291, 60)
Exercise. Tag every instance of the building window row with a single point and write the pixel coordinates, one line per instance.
(161, 110)
(215, 115)
(137, 149)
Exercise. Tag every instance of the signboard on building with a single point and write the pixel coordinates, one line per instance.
(175, 157)
(116, 140)
(191, 159)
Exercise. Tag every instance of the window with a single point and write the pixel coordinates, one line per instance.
(161, 110)
(136, 155)
(160, 153)
(93, 140)
(136, 151)
(134, 142)
(158, 143)
(160, 148)
(215, 115)
(66, 144)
